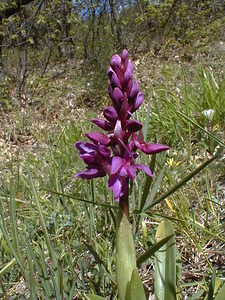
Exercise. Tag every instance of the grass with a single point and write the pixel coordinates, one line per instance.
(57, 234)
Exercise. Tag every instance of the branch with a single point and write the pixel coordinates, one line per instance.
(11, 10)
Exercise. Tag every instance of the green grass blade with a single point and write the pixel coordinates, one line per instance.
(152, 250)
(212, 286)
(41, 269)
(48, 243)
(197, 125)
(154, 189)
(3, 228)
(147, 118)
(183, 181)
(71, 294)
(82, 200)
(93, 297)
(7, 266)
(13, 218)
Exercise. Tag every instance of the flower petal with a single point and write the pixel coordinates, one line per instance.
(92, 172)
(125, 59)
(88, 158)
(110, 114)
(102, 124)
(154, 148)
(117, 95)
(125, 55)
(98, 137)
(128, 75)
(118, 132)
(118, 185)
(144, 168)
(129, 87)
(150, 148)
(104, 151)
(85, 147)
(115, 81)
(110, 72)
(131, 171)
(117, 163)
(134, 125)
(115, 185)
(115, 63)
(134, 90)
(139, 100)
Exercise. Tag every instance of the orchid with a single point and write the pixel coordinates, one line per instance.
(114, 152)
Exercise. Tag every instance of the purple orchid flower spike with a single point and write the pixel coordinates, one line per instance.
(114, 152)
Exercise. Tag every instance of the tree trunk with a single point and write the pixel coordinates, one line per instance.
(6, 13)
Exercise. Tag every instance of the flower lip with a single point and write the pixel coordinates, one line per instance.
(85, 147)
(149, 148)
(117, 163)
(118, 185)
(91, 172)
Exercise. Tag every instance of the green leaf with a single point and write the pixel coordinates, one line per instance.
(220, 295)
(147, 185)
(212, 286)
(165, 264)
(125, 254)
(197, 295)
(100, 262)
(151, 251)
(135, 288)
(147, 118)
(7, 266)
(93, 297)
(154, 190)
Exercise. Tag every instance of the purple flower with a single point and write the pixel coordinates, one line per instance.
(114, 153)
(96, 157)
(121, 169)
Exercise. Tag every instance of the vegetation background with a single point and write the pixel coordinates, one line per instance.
(54, 54)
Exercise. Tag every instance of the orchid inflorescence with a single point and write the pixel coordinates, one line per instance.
(114, 153)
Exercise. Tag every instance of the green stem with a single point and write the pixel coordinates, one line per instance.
(124, 202)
